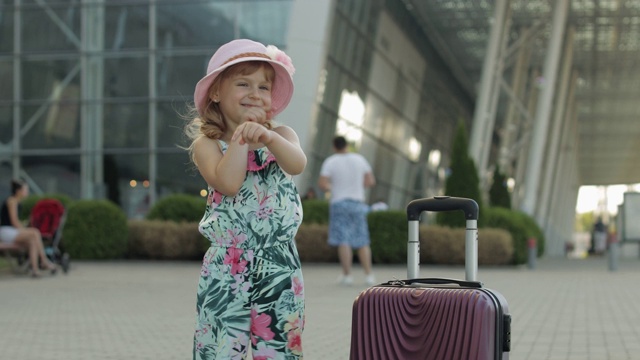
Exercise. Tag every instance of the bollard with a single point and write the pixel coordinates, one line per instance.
(533, 253)
(613, 253)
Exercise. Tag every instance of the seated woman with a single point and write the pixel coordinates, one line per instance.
(12, 230)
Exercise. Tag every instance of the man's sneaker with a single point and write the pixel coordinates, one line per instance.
(370, 280)
(345, 280)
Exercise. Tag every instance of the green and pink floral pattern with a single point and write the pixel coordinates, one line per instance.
(251, 291)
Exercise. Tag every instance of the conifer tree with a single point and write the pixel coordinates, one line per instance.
(498, 193)
(463, 180)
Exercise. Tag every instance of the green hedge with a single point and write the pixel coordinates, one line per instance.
(311, 241)
(533, 231)
(178, 208)
(315, 211)
(521, 227)
(446, 246)
(389, 236)
(389, 233)
(95, 229)
(166, 240)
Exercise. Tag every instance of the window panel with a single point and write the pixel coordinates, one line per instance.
(177, 174)
(54, 125)
(54, 174)
(171, 126)
(6, 30)
(127, 182)
(44, 31)
(190, 25)
(264, 21)
(48, 79)
(178, 75)
(126, 125)
(6, 124)
(6, 79)
(126, 77)
(126, 27)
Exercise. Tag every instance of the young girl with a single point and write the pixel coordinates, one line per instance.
(12, 230)
(250, 291)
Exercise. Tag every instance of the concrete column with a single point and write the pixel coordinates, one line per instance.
(153, 103)
(560, 181)
(573, 198)
(493, 103)
(17, 88)
(543, 110)
(522, 148)
(569, 198)
(92, 79)
(482, 124)
(562, 209)
(559, 214)
(559, 118)
(513, 120)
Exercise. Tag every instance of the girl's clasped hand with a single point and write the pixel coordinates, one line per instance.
(252, 132)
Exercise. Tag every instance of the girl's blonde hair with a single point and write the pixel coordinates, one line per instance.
(212, 123)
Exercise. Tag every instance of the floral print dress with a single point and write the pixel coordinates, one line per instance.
(251, 289)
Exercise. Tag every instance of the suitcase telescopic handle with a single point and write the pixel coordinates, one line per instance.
(443, 203)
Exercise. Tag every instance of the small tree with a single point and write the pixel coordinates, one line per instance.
(463, 180)
(498, 193)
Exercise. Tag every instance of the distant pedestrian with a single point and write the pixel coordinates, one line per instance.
(346, 175)
(12, 231)
(598, 237)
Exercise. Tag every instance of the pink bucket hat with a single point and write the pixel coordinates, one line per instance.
(241, 50)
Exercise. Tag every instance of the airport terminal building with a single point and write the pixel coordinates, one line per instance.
(92, 93)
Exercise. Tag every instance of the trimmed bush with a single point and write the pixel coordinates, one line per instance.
(95, 229)
(439, 245)
(389, 233)
(178, 208)
(166, 240)
(520, 226)
(311, 241)
(315, 211)
(446, 246)
(499, 193)
(30, 201)
(533, 231)
(495, 247)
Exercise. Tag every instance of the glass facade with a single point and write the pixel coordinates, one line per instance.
(91, 93)
(389, 93)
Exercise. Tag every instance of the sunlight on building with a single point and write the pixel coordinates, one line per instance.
(351, 115)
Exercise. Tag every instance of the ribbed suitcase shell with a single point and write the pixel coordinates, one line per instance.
(406, 322)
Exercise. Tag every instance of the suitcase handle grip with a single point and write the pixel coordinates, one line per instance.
(443, 203)
(441, 281)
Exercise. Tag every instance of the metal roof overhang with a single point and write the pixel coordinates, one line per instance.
(606, 55)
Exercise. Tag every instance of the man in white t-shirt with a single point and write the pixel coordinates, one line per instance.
(346, 175)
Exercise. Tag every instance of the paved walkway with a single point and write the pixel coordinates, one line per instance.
(564, 309)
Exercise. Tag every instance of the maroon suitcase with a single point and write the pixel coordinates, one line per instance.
(432, 318)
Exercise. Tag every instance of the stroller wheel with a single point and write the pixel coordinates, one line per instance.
(65, 262)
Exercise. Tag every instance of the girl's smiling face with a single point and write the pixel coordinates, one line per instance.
(245, 97)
